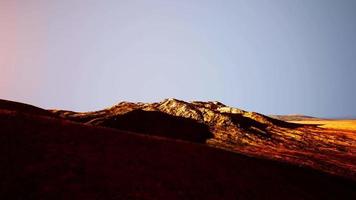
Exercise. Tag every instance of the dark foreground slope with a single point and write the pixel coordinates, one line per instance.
(48, 158)
(23, 108)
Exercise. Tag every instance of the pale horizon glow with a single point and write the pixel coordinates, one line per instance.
(272, 57)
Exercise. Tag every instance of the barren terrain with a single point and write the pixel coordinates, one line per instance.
(249, 133)
(165, 151)
(347, 124)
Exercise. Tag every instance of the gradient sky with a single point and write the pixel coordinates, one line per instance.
(276, 56)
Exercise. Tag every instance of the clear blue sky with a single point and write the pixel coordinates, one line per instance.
(277, 56)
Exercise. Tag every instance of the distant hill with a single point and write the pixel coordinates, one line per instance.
(294, 117)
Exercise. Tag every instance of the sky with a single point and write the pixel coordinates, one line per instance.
(272, 57)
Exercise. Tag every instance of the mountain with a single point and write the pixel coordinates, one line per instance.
(48, 157)
(232, 129)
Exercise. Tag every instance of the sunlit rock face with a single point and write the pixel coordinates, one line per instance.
(232, 129)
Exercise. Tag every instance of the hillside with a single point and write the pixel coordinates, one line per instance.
(23, 108)
(221, 126)
(43, 157)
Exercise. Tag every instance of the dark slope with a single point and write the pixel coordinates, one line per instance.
(48, 158)
(23, 108)
(160, 124)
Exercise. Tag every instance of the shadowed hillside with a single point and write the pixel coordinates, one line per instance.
(158, 123)
(23, 108)
(43, 157)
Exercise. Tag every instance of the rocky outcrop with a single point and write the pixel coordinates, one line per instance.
(232, 129)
